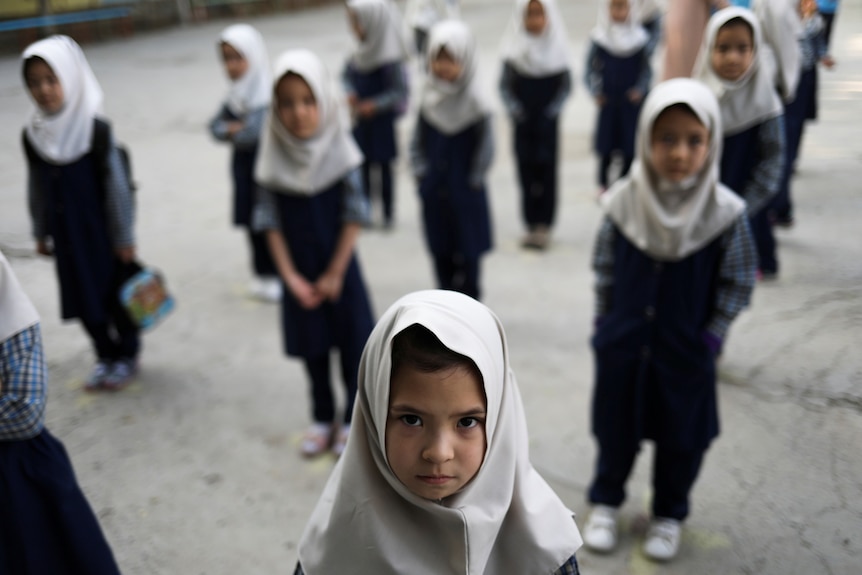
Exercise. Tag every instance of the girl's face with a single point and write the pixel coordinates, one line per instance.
(234, 63)
(733, 51)
(807, 7)
(445, 66)
(356, 26)
(435, 429)
(296, 106)
(679, 144)
(44, 86)
(619, 11)
(534, 18)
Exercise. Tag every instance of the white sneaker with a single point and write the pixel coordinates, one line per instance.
(662, 539)
(270, 290)
(600, 534)
(255, 288)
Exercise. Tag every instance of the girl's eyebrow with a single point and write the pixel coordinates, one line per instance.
(405, 408)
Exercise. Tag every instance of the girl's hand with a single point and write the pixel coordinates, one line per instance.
(234, 127)
(125, 254)
(827, 61)
(634, 95)
(43, 249)
(600, 100)
(352, 100)
(329, 285)
(304, 292)
(366, 108)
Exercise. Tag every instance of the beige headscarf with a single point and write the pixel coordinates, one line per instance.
(16, 311)
(506, 520)
(452, 106)
(292, 165)
(66, 136)
(537, 56)
(751, 99)
(620, 39)
(254, 89)
(782, 29)
(384, 41)
(670, 222)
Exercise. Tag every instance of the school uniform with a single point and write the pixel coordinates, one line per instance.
(451, 151)
(309, 190)
(827, 9)
(375, 72)
(801, 109)
(753, 127)
(674, 265)
(81, 202)
(46, 525)
(246, 102)
(534, 85)
(507, 519)
(617, 63)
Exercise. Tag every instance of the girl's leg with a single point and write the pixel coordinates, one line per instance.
(322, 402)
(469, 272)
(674, 474)
(525, 180)
(103, 343)
(349, 373)
(764, 240)
(546, 202)
(627, 164)
(386, 191)
(366, 178)
(604, 168)
(444, 268)
(613, 466)
(260, 257)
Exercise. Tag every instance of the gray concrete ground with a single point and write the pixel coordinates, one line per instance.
(194, 468)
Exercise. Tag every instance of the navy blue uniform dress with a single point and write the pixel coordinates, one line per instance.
(46, 524)
(740, 156)
(311, 226)
(455, 215)
(536, 146)
(376, 135)
(655, 374)
(618, 117)
(89, 273)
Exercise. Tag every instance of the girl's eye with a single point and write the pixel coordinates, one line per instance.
(411, 420)
(468, 422)
(695, 142)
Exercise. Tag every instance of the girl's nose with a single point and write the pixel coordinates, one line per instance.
(438, 449)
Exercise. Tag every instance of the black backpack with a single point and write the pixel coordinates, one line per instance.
(101, 139)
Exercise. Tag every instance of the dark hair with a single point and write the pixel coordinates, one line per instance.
(418, 347)
(682, 107)
(30, 61)
(738, 21)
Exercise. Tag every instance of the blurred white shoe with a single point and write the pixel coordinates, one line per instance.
(271, 290)
(662, 539)
(600, 533)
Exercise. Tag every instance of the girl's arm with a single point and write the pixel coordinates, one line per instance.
(735, 280)
(593, 72)
(645, 78)
(556, 105)
(23, 378)
(603, 265)
(507, 93)
(248, 133)
(766, 176)
(218, 126)
(265, 219)
(395, 92)
(683, 32)
(418, 159)
(36, 204)
(120, 205)
(354, 214)
(484, 154)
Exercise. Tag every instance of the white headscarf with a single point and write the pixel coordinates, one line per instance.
(423, 14)
(648, 10)
(752, 98)
(545, 54)
(621, 39)
(384, 41)
(667, 221)
(506, 520)
(254, 89)
(286, 163)
(452, 106)
(66, 136)
(782, 28)
(16, 310)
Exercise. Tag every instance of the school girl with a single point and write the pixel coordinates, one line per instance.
(534, 86)
(436, 477)
(732, 64)
(312, 205)
(46, 524)
(239, 122)
(375, 84)
(674, 265)
(618, 75)
(450, 153)
(802, 108)
(80, 203)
